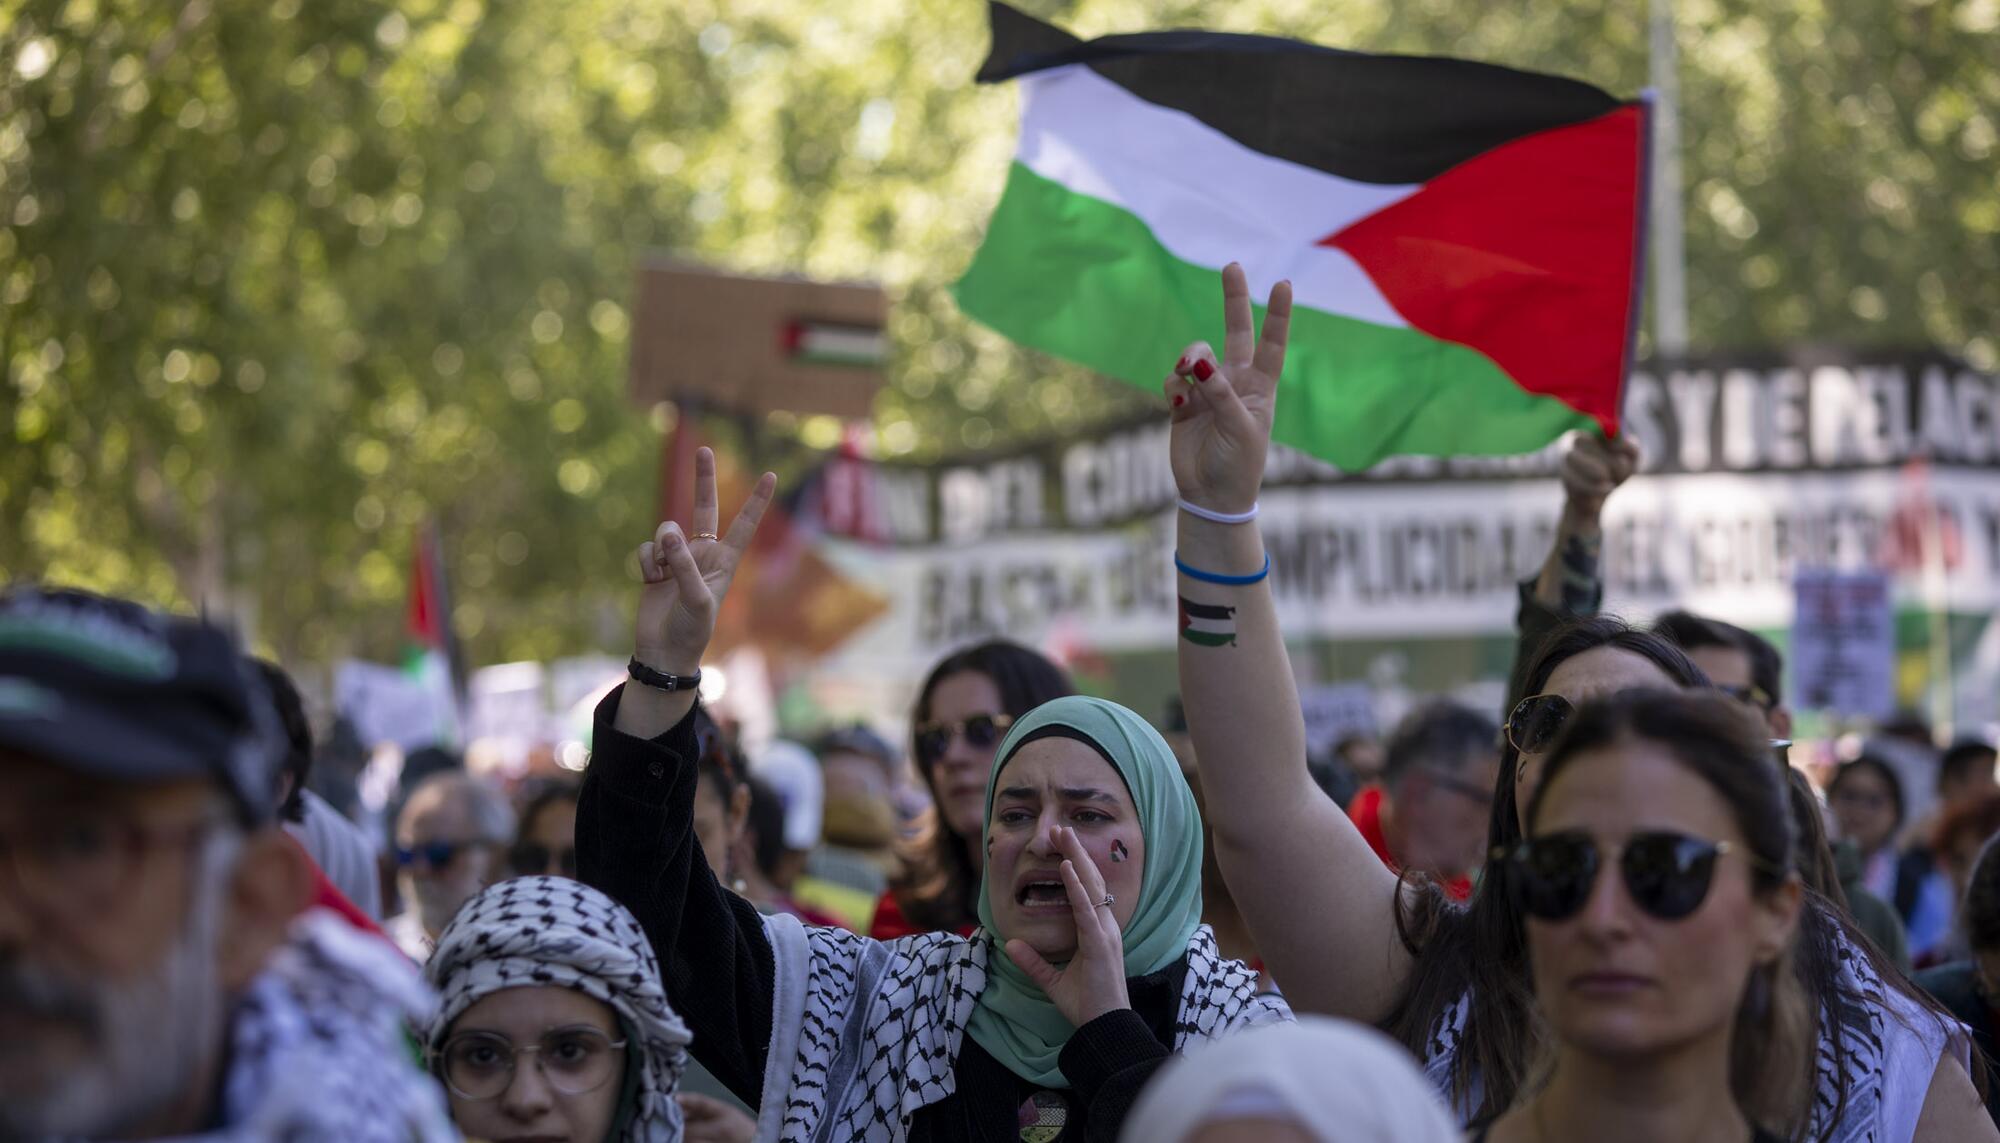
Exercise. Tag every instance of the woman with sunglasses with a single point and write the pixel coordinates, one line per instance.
(552, 1023)
(963, 709)
(1348, 938)
(1661, 896)
(1090, 966)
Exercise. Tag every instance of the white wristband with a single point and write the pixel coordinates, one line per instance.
(1213, 516)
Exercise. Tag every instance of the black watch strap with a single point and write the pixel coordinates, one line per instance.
(660, 680)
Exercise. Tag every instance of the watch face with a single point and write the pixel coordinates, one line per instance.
(1043, 1117)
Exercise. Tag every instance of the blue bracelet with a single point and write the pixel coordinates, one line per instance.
(1224, 580)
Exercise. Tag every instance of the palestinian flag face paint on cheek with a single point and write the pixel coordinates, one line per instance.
(1206, 625)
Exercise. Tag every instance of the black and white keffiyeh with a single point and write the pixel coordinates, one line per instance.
(553, 931)
(318, 1047)
(865, 1033)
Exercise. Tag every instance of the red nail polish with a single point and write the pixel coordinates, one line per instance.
(1179, 400)
(1181, 365)
(1203, 370)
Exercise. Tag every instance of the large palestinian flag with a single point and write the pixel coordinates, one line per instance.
(1463, 240)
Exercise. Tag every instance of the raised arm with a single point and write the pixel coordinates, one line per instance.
(635, 818)
(1318, 901)
(1571, 582)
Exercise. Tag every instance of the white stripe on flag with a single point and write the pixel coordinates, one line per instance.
(1208, 199)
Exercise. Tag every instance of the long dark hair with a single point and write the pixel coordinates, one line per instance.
(936, 887)
(1725, 745)
(1479, 952)
(1981, 917)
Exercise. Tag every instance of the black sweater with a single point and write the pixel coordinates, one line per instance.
(635, 841)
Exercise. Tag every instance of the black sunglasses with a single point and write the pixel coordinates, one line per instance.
(981, 732)
(1666, 874)
(1536, 721)
(530, 860)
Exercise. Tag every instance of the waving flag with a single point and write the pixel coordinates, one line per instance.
(1463, 240)
(430, 651)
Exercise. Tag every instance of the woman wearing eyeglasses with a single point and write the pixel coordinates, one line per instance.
(1348, 938)
(964, 708)
(552, 1023)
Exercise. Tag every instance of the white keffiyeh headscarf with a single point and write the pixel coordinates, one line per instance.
(537, 931)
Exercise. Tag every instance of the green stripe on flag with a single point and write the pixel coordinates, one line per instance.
(1085, 280)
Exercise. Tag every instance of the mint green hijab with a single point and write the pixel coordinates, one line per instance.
(1013, 1020)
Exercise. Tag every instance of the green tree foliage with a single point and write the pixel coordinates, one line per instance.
(278, 280)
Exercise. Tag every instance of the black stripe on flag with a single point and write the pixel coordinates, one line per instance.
(1370, 118)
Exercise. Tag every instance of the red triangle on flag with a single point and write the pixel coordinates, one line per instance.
(1528, 253)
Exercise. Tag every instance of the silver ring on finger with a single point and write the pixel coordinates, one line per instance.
(1106, 903)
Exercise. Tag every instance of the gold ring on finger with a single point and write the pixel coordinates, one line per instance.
(706, 536)
(1106, 903)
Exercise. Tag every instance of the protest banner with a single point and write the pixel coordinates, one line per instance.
(1752, 472)
(1843, 644)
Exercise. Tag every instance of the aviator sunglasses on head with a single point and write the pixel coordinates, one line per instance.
(1538, 720)
(1666, 874)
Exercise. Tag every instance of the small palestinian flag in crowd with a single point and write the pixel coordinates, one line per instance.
(1463, 240)
(430, 652)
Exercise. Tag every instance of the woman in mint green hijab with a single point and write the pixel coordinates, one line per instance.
(1089, 969)
(1093, 875)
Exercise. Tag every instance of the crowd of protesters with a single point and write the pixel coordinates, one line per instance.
(1610, 909)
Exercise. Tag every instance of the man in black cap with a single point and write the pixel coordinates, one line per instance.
(156, 976)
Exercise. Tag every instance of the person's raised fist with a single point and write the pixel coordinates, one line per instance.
(1593, 466)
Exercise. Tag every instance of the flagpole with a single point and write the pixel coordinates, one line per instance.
(1670, 317)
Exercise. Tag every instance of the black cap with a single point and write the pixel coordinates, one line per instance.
(108, 688)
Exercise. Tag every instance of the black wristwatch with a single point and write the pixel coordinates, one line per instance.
(660, 680)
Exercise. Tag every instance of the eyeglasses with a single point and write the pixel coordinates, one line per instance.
(529, 859)
(1536, 721)
(72, 862)
(981, 732)
(1666, 874)
(480, 1065)
(433, 855)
